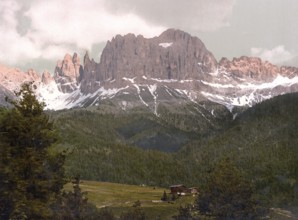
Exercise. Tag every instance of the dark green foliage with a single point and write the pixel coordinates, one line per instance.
(173, 197)
(134, 213)
(30, 176)
(106, 214)
(227, 195)
(75, 205)
(99, 152)
(184, 213)
(164, 196)
(262, 141)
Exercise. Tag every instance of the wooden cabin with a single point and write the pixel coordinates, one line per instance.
(178, 189)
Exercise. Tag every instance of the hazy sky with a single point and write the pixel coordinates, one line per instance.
(35, 33)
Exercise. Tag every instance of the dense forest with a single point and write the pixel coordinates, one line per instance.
(253, 158)
(140, 148)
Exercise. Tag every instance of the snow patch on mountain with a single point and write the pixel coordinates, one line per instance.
(108, 93)
(217, 85)
(152, 89)
(278, 81)
(129, 79)
(164, 80)
(166, 45)
(52, 96)
(139, 93)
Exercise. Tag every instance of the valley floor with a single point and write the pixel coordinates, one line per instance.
(118, 197)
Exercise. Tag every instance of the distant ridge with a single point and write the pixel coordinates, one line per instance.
(171, 68)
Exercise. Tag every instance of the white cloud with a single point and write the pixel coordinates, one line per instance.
(190, 15)
(8, 8)
(54, 52)
(14, 48)
(57, 27)
(277, 55)
(83, 23)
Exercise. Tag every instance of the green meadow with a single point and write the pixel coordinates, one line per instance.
(119, 197)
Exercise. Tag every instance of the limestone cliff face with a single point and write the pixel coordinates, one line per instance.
(172, 68)
(173, 55)
(88, 76)
(68, 73)
(250, 68)
(254, 69)
(11, 78)
(47, 78)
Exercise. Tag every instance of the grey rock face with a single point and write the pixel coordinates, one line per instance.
(67, 73)
(46, 78)
(250, 68)
(173, 66)
(88, 75)
(173, 55)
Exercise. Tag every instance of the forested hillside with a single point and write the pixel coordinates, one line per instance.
(262, 141)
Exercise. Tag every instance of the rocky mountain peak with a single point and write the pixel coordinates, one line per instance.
(174, 55)
(33, 75)
(47, 78)
(87, 74)
(174, 35)
(173, 67)
(68, 72)
(69, 67)
(250, 68)
(87, 60)
(12, 78)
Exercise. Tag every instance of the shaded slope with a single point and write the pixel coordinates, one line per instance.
(264, 143)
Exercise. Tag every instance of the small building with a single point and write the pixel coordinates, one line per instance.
(178, 189)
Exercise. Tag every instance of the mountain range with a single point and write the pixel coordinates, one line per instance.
(172, 69)
(163, 110)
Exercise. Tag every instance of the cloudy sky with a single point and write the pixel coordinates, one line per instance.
(35, 33)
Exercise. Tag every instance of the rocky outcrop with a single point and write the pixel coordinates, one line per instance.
(253, 68)
(77, 66)
(173, 55)
(47, 78)
(12, 78)
(289, 71)
(33, 75)
(88, 77)
(68, 73)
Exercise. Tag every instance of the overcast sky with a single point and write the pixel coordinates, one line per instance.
(35, 33)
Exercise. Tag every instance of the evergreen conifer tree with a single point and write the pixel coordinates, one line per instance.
(31, 176)
(227, 195)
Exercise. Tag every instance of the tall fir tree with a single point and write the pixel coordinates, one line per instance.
(31, 176)
(228, 195)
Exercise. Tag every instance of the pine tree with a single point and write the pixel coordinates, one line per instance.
(76, 206)
(227, 195)
(31, 176)
(164, 196)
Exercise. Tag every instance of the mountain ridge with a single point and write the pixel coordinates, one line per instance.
(173, 67)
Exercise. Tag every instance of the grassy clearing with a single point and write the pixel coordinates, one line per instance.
(118, 197)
